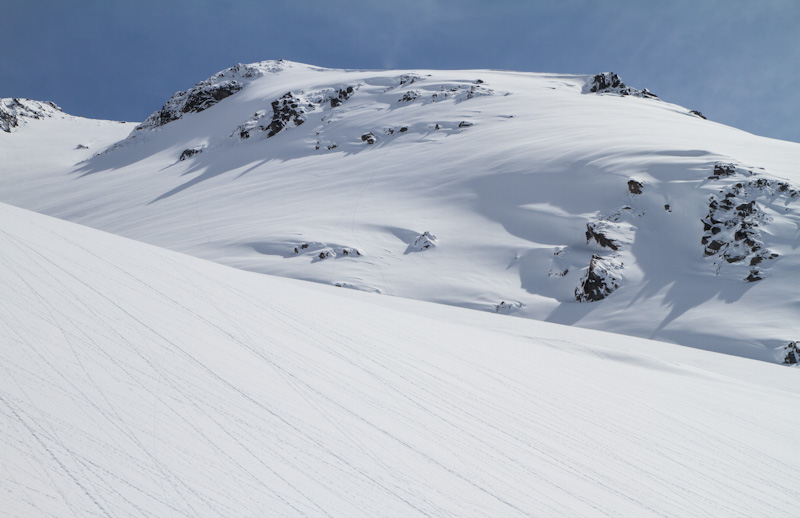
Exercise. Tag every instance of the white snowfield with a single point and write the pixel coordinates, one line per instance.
(335, 176)
(141, 382)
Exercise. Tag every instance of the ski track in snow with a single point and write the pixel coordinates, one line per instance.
(139, 382)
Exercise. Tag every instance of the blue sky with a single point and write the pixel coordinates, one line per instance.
(737, 61)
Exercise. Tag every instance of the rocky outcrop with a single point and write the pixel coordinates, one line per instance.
(341, 96)
(409, 96)
(189, 153)
(723, 170)
(14, 111)
(424, 241)
(290, 110)
(792, 351)
(287, 111)
(610, 83)
(369, 138)
(732, 228)
(600, 280)
(197, 99)
(698, 114)
(635, 187)
(599, 231)
(322, 251)
(507, 307)
(206, 94)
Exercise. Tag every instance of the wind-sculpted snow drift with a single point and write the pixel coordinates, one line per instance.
(141, 382)
(574, 199)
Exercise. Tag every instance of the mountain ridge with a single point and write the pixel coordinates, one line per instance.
(601, 209)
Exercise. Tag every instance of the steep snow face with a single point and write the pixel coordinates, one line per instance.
(14, 111)
(141, 382)
(572, 199)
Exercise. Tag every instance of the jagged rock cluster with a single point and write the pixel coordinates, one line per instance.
(458, 92)
(189, 153)
(289, 110)
(425, 241)
(14, 110)
(610, 83)
(600, 280)
(731, 229)
(206, 94)
(792, 353)
(321, 251)
(604, 274)
(198, 98)
(507, 307)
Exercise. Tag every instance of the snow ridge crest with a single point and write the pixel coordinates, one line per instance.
(13, 111)
(209, 92)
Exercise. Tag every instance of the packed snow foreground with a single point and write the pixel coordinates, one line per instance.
(142, 382)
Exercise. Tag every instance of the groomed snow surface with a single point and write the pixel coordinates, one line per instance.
(140, 382)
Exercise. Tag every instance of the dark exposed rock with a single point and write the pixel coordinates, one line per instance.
(792, 353)
(403, 129)
(609, 82)
(206, 94)
(369, 138)
(721, 170)
(507, 307)
(698, 114)
(341, 96)
(14, 110)
(408, 79)
(197, 99)
(593, 232)
(635, 187)
(408, 97)
(81, 146)
(735, 218)
(465, 124)
(755, 275)
(321, 251)
(188, 153)
(286, 110)
(424, 241)
(599, 281)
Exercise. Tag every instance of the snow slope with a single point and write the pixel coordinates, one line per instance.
(539, 192)
(140, 382)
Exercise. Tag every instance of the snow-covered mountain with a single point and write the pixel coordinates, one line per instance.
(141, 382)
(572, 199)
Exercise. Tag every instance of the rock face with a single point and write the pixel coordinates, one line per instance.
(507, 307)
(732, 228)
(792, 353)
(14, 111)
(635, 187)
(598, 231)
(425, 241)
(322, 251)
(207, 93)
(610, 83)
(189, 153)
(599, 281)
(200, 97)
(698, 114)
(288, 111)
